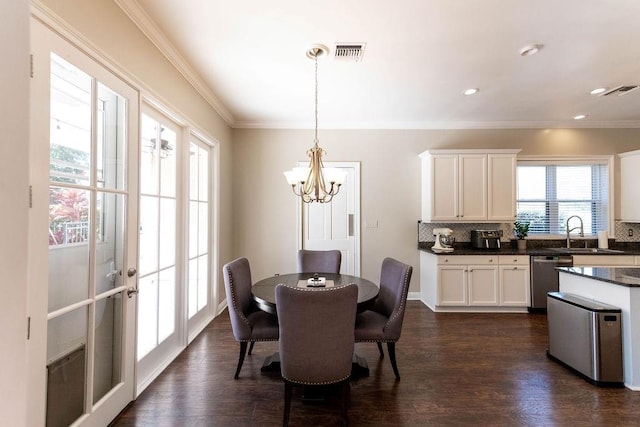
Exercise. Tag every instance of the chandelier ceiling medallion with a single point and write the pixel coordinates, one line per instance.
(315, 183)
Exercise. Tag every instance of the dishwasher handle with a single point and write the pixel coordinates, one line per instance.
(564, 261)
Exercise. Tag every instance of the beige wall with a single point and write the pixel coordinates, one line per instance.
(108, 29)
(264, 208)
(14, 184)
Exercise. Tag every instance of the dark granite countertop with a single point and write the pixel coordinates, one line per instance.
(629, 277)
(534, 248)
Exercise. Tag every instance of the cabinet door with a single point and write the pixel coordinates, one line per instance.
(452, 285)
(514, 286)
(473, 187)
(483, 285)
(444, 188)
(501, 187)
(629, 177)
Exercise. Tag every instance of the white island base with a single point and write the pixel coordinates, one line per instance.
(619, 287)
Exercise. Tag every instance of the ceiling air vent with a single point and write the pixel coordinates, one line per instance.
(620, 90)
(349, 51)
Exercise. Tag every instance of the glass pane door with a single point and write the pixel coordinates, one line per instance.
(89, 137)
(159, 294)
(199, 291)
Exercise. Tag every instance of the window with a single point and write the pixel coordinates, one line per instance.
(549, 192)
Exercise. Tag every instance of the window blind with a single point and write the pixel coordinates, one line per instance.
(548, 194)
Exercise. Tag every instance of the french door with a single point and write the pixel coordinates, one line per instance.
(200, 292)
(160, 313)
(83, 157)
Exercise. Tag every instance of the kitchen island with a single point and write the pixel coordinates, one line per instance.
(619, 287)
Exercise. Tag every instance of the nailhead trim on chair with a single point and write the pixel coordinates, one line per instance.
(235, 305)
(318, 383)
(404, 286)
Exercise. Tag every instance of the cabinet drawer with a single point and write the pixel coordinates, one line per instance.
(467, 259)
(514, 259)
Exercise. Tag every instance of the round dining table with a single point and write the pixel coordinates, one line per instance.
(264, 294)
(264, 291)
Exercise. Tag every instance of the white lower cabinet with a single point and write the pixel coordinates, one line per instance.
(515, 289)
(452, 285)
(483, 285)
(467, 280)
(479, 281)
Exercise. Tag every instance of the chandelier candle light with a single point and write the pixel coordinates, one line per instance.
(315, 183)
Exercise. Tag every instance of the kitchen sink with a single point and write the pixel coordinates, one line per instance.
(586, 251)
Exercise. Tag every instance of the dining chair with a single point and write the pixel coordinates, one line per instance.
(316, 339)
(383, 322)
(249, 324)
(319, 261)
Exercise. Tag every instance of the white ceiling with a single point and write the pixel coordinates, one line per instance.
(248, 59)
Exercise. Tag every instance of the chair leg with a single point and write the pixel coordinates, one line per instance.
(380, 349)
(287, 403)
(391, 348)
(243, 351)
(346, 391)
(251, 347)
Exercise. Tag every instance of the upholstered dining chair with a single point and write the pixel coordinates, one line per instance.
(249, 324)
(316, 339)
(319, 261)
(383, 322)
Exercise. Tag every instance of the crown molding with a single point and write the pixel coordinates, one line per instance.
(149, 28)
(452, 125)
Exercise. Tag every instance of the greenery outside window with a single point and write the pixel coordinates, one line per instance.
(550, 191)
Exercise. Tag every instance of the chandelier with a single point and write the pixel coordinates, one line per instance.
(315, 183)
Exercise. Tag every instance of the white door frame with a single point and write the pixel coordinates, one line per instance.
(356, 220)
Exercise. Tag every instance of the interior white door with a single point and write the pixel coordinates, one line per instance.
(83, 159)
(335, 225)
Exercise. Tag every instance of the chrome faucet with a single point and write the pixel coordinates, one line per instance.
(569, 230)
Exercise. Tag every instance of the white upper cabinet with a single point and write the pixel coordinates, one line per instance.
(501, 187)
(629, 194)
(468, 185)
(472, 191)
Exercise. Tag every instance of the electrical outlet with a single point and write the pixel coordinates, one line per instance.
(630, 232)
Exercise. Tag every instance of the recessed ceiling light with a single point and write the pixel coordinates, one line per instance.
(471, 91)
(579, 117)
(531, 49)
(598, 91)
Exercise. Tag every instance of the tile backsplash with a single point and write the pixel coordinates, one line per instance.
(622, 232)
(462, 231)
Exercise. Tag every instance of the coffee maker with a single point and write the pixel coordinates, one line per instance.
(444, 240)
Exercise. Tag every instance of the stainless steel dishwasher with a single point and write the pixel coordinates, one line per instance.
(544, 278)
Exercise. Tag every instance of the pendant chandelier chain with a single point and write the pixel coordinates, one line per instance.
(315, 140)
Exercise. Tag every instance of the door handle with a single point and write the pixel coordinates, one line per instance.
(132, 272)
(131, 292)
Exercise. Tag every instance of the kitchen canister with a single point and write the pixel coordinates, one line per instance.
(603, 239)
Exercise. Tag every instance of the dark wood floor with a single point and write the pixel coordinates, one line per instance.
(457, 369)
